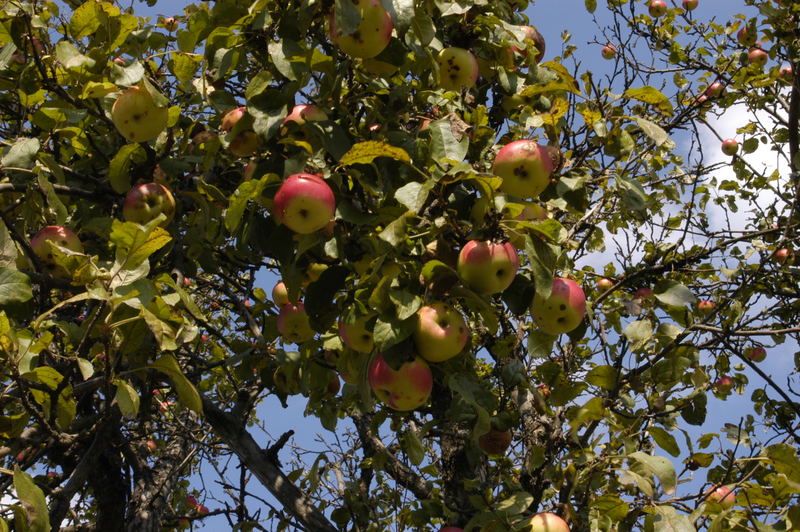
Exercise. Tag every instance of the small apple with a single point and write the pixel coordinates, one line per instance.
(756, 353)
(304, 203)
(643, 293)
(246, 142)
(202, 510)
(280, 294)
(145, 202)
(715, 90)
(786, 74)
(151, 445)
(372, 34)
(451, 529)
(334, 384)
(724, 496)
(488, 267)
(301, 114)
(657, 8)
(604, 283)
(402, 389)
(757, 57)
(136, 116)
(441, 332)
(744, 38)
(547, 522)
(784, 256)
(563, 311)
(724, 384)
(608, 51)
(706, 307)
(495, 442)
(538, 41)
(59, 236)
(690, 5)
(458, 69)
(355, 334)
(525, 167)
(293, 324)
(170, 24)
(730, 146)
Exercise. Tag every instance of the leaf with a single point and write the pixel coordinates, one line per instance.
(674, 294)
(540, 344)
(52, 380)
(347, 16)
(120, 166)
(32, 499)
(187, 393)
(15, 287)
(237, 204)
(444, 144)
(665, 440)
(127, 398)
(390, 332)
(395, 232)
(54, 204)
(591, 5)
(413, 447)
(135, 243)
(22, 153)
(12, 426)
(516, 504)
(652, 96)
(8, 250)
(366, 152)
(85, 20)
(638, 333)
(667, 519)
(70, 58)
(603, 376)
(184, 65)
(654, 131)
(413, 195)
(86, 368)
(660, 467)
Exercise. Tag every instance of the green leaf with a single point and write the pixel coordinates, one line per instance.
(127, 398)
(603, 376)
(674, 294)
(665, 440)
(611, 506)
(8, 250)
(86, 368)
(406, 304)
(70, 58)
(633, 194)
(15, 287)
(652, 96)
(660, 467)
(591, 5)
(85, 20)
(667, 519)
(135, 243)
(515, 504)
(52, 380)
(120, 167)
(366, 152)
(411, 444)
(395, 232)
(540, 344)
(54, 204)
(248, 190)
(654, 131)
(444, 144)
(413, 195)
(389, 332)
(187, 393)
(184, 66)
(638, 333)
(32, 499)
(348, 17)
(12, 426)
(22, 153)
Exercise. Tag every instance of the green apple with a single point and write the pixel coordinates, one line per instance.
(403, 389)
(604, 283)
(458, 69)
(563, 311)
(145, 202)
(356, 335)
(304, 203)
(372, 34)
(294, 325)
(136, 116)
(547, 522)
(525, 167)
(57, 235)
(689, 5)
(280, 294)
(440, 333)
(488, 267)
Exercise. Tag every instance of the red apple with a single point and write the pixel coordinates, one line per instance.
(604, 283)
(784, 256)
(136, 116)
(657, 8)
(730, 146)
(495, 441)
(538, 41)
(293, 324)
(744, 38)
(525, 167)
(643, 293)
(724, 496)
(151, 445)
(372, 34)
(170, 24)
(402, 389)
(706, 307)
(458, 69)
(724, 384)
(757, 57)
(441, 332)
(246, 142)
(488, 267)
(304, 203)
(146, 202)
(547, 522)
(756, 353)
(563, 311)
(786, 74)
(451, 529)
(355, 334)
(202, 510)
(690, 5)
(608, 51)
(301, 114)
(715, 90)
(57, 235)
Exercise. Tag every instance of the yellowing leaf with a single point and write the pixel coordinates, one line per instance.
(95, 89)
(366, 152)
(651, 96)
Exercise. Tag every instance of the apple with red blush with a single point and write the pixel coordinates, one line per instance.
(146, 202)
(563, 310)
(441, 332)
(293, 324)
(488, 267)
(525, 167)
(402, 389)
(304, 203)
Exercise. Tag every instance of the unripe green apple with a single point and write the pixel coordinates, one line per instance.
(563, 311)
(547, 522)
(441, 332)
(372, 35)
(458, 69)
(690, 5)
(280, 294)
(59, 236)
(293, 324)
(304, 203)
(525, 167)
(730, 146)
(756, 353)
(403, 389)
(488, 267)
(136, 116)
(355, 334)
(145, 202)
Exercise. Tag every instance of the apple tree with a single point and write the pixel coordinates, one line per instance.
(514, 290)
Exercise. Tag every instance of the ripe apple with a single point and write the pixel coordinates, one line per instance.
(246, 142)
(715, 90)
(451, 529)
(458, 69)
(151, 445)
(304, 203)
(170, 24)
(280, 294)
(724, 496)
(690, 5)
(563, 311)
(786, 74)
(724, 384)
(538, 41)
(202, 510)
(145, 202)
(293, 324)
(744, 38)
(547, 522)
(231, 118)
(608, 51)
(334, 384)
(441, 332)
(657, 8)
(757, 57)
(730, 146)
(59, 236)
(525, 167)
(136, 115)
(495, 441)
(301, 114)
(756, 353)
(604, 283)
(372, 35)
(403, 389)
(784, 256)
(356, 336)
(706, 307)
(488, 267)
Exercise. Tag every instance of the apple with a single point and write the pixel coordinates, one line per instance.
(657, 8)
(608, 51)
(440, 333)
(402, 389)
(525, 167)
(145, 202)
(137, 117)
(355, 334)
(756, 353)
(604, 283)
(202, 510)
(280, 294)
(293, 324)
(301, 114)
(784, 256)
(724, 384)
(170, 24)
(690, 5)
(151, 445)
(372, 34)
(304, 203)
(706, 307)
(786, 74)
(488, 267)
(724, 496)
(715, 90)
(458, 69)
(59, 236)
(495, 441)
(334, 384)
(531, 211)
(538, 41)
(563, 311)
(730, 146)
(757, 57)
(643, 293)
(246, 142)
(744, 38)
(547, 522)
